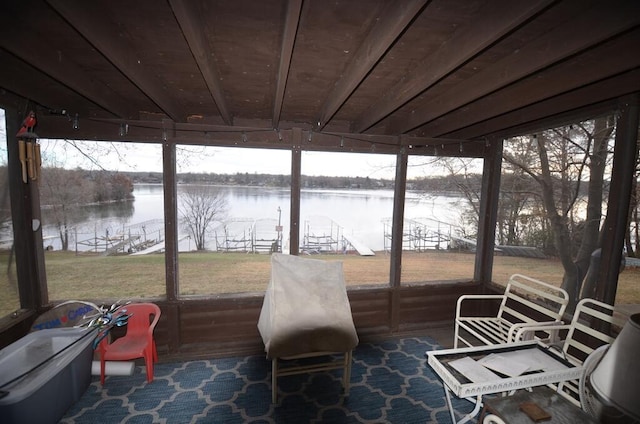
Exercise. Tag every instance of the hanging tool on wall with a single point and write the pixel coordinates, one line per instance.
(29, 149)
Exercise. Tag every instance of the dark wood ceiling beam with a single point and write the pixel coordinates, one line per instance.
(493, 23)
(559, 110)
(392, 21)
(61, 67)
(292, 19)
(94, 25)
(257, 137)
(191, 24)
(31, 84)
(597, 24)
(606, 60)
(187, 126)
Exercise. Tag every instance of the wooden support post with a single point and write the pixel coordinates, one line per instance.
(296, 170)
(395, 272)
(27, 224)
(170, 211)
(398, 218)
(490, 195)
(613, 233)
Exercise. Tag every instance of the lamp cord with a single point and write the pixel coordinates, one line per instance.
(588, 367)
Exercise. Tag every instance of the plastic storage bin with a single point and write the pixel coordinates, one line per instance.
(56, 365)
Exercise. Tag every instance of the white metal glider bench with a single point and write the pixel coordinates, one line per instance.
(306, 313)
(592, 326)
(525, 302)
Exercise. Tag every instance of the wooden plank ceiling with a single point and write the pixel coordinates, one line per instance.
(250, 70)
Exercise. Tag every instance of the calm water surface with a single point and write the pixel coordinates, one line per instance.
(360, 214)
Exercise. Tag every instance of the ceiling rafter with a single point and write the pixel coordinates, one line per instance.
(493, 23)
(99, 32)
(31, 84)
(62, 68)
(191, 25)
(393, 20)
(600, 63)
(558, 111)
(294, 8)
(584, 31)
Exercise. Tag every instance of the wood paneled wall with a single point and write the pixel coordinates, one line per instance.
(226, 326)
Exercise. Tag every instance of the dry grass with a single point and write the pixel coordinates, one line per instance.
(115, 277)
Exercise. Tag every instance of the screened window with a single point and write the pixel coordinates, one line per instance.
(102, 219)
(9, 296)
(345, 200)
(233, 208)
(440, 219)
(553, 197)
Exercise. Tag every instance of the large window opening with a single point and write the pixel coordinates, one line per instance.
(345, 200)
(553, 197)
(9, 294)
(102, 219)
(233, 211)
(440, 219)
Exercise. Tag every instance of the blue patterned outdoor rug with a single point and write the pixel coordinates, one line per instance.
(390, 383)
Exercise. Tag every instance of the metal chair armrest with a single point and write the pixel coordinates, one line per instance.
(527, 332)
(475, 297)
(523, 327)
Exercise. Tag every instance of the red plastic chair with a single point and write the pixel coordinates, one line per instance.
(138, 341)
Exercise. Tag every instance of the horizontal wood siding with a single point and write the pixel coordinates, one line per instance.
(225, 326)
(214, 327)
(370, 309)
(219, 326)
(430, 304)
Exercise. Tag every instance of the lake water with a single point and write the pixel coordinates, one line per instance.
(362, 215)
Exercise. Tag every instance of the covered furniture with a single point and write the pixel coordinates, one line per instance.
(525, 302)
(138, 342)
(306, 313)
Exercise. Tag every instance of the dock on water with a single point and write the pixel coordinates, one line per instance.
(359, 246)
(323, 235)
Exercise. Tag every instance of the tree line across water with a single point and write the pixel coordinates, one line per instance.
(433, 184)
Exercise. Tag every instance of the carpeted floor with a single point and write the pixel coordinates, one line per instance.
(390, 383)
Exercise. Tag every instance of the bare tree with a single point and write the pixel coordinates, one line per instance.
(518, 220)
(632, 237)
(63, 194)
(566, 158)
(200, 206)
(5, 201)
(463, 178)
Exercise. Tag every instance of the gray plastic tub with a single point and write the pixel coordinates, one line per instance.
(56, 365)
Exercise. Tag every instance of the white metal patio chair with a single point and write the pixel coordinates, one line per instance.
(592, 326)
(525, 302)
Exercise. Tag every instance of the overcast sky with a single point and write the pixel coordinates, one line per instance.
(221, 160)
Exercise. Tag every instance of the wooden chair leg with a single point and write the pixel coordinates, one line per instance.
(274, 380)
(346, 377)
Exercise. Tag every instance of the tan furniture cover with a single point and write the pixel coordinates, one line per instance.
(306, 308)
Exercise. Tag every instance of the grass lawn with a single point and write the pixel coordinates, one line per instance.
(204, 273)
